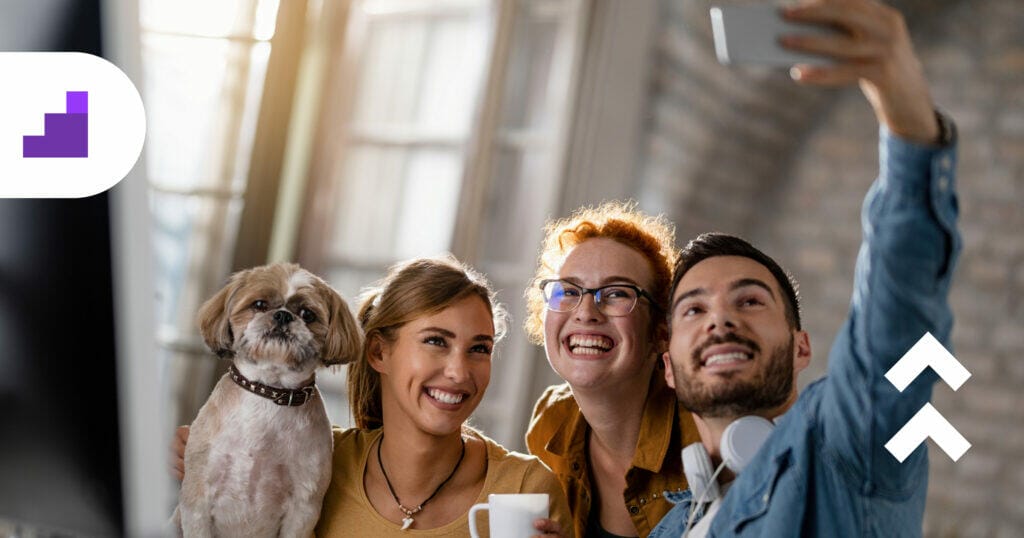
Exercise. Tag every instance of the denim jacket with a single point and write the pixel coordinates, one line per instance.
(825, 471)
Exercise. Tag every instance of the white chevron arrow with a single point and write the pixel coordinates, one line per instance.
(927, 352)
(927, 423)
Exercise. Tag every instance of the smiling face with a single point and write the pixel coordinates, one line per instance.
(589, 349)
(733, 351)
(436, 369)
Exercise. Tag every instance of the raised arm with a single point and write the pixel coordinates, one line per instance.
(875, 52)
(910, 242)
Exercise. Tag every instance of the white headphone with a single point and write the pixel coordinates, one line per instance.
(740, 442)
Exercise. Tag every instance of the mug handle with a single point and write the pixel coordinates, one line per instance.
(472, 518)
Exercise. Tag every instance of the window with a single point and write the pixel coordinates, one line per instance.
(444, 128)
(205, 64)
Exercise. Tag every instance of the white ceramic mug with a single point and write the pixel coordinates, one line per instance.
(511, 515)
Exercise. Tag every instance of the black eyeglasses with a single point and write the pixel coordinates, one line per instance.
(612, 300)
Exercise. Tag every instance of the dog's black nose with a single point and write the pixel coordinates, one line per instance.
(283, 317)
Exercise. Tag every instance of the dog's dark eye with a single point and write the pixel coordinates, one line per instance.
(307, 315)
(260, 305)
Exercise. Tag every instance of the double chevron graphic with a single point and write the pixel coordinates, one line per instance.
(928, 422)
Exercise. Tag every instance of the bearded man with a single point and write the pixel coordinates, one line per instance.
(737, 343)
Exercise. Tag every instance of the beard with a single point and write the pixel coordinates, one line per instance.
(769, 388)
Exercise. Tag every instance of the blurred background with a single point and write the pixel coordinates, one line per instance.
(348, 135)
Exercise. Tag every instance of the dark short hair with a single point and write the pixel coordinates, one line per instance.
(709, 245)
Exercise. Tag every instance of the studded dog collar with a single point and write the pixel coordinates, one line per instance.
(289, 397)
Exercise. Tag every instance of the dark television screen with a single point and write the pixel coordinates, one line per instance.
(59, 447)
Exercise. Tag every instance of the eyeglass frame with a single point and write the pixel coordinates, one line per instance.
(640, 292)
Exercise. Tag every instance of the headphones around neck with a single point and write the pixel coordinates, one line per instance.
(740, 442)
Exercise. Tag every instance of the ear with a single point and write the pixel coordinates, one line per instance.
(214, 319)
(670, 378)
(376, 350)
(344, 340)
(660, 335)
(801, 351)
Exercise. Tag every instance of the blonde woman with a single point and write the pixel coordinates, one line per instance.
(412, 466)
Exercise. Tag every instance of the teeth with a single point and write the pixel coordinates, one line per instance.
(445, 397)
(590, 344)
(726, 357)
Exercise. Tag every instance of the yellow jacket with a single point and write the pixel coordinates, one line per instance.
(558, 436)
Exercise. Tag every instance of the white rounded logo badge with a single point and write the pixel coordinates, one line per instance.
(73, 125)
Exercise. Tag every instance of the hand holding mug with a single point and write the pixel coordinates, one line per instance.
(514, 515)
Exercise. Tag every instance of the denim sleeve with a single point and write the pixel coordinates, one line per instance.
(901, 284)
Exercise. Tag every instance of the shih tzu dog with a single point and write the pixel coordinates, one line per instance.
(258, 459)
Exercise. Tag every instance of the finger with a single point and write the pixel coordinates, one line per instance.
(854, 18)
(177, 467)
(835, 75)
(180, 439)
(548, 527)
(178, 452)
(840, 47)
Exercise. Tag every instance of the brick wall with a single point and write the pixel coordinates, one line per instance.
(749, 152)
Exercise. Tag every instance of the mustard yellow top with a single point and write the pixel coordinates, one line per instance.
(558, 436)
(347, 510)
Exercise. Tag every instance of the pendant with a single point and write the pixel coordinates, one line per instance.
(406, 522)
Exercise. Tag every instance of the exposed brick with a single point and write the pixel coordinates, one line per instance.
(982, 364)
(1011, 442)
(1009, 336)
(990, 401)
(999, 183)
(987, 272)
(978, 463)
(947, 60)
(815, 260)
(1013, 506)
(1011, 122)
(1009, 530)
(1006, 63)
(977, 525)
(1012, 368)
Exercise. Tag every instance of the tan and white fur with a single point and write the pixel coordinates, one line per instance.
(252, 467)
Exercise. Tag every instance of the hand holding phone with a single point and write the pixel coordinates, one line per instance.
(838, 43)
(749, 34)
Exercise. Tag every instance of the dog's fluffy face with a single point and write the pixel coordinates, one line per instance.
(280, 315)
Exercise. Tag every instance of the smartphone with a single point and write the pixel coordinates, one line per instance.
(749, 34)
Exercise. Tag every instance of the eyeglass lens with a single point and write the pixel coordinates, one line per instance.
(611, 300)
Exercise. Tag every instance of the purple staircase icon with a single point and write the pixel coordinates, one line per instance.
(65, 135)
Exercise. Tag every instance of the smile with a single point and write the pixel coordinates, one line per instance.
(446, 397)
(589, 344)
(728, 358)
